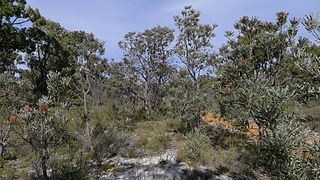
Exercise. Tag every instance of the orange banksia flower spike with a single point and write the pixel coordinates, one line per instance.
(13, 119)
(42, 107)
(227, 90)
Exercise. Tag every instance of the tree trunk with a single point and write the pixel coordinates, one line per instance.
(147, 97)
(1, 151)
(44, 167)
(86, 116)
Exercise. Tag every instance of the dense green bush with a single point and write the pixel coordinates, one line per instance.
(44, 130)
(13, 95)
(278, 153)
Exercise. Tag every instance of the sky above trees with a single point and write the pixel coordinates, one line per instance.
(110, 20)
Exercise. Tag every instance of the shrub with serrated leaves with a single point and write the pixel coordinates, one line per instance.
(59, 86)
(307, 60)
(256, 100)
(261, 75)
(281, 134)
(44, 126)
(278, 153)
(309, 65)
(13, 94)
(44, 129)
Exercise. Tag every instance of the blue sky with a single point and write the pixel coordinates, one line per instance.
(110, 20)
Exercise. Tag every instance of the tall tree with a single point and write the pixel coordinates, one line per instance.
(194, 50)
(193, 46)
(15, 19)
(86, 52)
(45, 53)
(147, 58)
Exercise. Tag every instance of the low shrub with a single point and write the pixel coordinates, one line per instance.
(277, 154)
(69, 162)
(107, 143)
(314, 159)
(197, 149)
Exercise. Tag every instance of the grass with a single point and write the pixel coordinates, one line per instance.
(154, 135)
(151, 136)
(311, 113)
(225, 158)
(196, 150)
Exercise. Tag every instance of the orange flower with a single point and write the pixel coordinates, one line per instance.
(282, 14)
(245, 19)
(26, 108)
(227, 90)
(13, 118)
(42, 107)
(244, 62)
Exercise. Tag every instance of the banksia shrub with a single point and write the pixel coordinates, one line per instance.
(258, 101)
(12, 96)
(44, 132)
(279, 152)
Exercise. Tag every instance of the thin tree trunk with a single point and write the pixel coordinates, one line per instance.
(1, 150)
(86, 116)
(44, 167)
(147, 97)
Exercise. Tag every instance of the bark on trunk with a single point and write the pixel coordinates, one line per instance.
(1, 150)
(86, 117)
(44, 168)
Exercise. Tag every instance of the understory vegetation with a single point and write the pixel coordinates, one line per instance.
(71, 109)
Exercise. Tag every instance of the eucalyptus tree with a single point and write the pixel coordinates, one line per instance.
(86, 54)
(147, 60)
(45, 53)
(194, 51)
(193, 46)
(15, 19)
